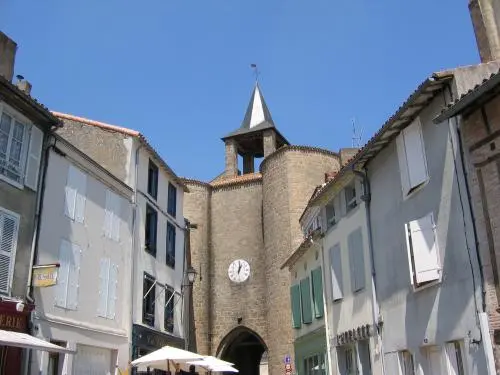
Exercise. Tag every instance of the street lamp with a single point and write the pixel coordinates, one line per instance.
(191, 274)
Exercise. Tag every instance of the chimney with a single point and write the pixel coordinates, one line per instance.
(485, 16)
(23, 85)
(346, 154)
(7, 56)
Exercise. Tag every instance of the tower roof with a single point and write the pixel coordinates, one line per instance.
(257, 116)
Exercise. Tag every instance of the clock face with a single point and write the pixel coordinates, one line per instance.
(239, 271)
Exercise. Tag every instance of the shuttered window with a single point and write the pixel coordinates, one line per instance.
(9, 229)
(422, 249)
(336, 272)
(12, 147)
(112, 219)
(305, 300)
(317, 290)
(76, 187)
(295, 298)
(34, 156)
(170, 256)
(356, 260)
(172, 200)
(108, 282)
(411, 155)
(68, 275)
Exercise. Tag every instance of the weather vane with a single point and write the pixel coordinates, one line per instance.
(256, 71)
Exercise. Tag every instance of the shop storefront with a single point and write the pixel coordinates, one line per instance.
(11, 358)
(311, 353)
(146, 340)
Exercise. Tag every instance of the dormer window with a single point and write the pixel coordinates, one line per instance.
(330, 214)
(350, 197)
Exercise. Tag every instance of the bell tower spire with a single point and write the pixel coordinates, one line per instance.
(257, 136)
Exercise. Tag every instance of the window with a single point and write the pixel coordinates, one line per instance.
(295, 298)
(148, 302)
(331, 219)
(68, 275)
(406, 366)
(351, 360)
(152, 180)
(317, 292)
(56, 360)
(411, 155)
(170, 259)
(172, 200)
(454, 359)
(75, 190)
(305, 300)
(336, 272)
(356, 260)
(350, 197)
(108, 281)
(19, 160)
(422, 248)
(9, 228)
(444, 360)
(169, 309)
(151, 228)
(112, 219)
(315, 365)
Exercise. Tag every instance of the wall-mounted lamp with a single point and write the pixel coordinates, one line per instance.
(191, 274)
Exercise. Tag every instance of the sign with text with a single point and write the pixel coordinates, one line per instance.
(44, 276)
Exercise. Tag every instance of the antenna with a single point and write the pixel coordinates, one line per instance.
(357, 136)
(256, 72)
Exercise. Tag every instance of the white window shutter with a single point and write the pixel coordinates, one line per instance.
(403, 164)
(112, 286)
(74, 275)
(116, 221)
(103, 287)
(34, 156)
(425, 249)
(9, 227)
(451, 362)
(63, 274)
(336, 272)
(80, 197)
(70, 192)
(356, 260)
(415, 154)
(108, 214)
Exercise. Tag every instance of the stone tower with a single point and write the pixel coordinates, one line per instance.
(253, 217)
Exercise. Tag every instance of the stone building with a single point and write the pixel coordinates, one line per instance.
(247, 225)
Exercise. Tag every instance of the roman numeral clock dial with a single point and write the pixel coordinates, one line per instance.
(239, 271)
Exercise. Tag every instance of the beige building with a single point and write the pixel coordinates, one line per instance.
(86, 228)
(247, 225)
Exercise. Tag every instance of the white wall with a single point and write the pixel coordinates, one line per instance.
(157, 267)
(83, 324)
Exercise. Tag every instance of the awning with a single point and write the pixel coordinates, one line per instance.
(23, 340)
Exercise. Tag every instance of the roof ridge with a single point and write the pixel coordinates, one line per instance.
(103, 125)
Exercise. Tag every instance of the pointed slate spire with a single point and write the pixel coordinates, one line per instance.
(257, 111)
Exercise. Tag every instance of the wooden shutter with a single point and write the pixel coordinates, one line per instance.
(305, 300)
(317, 288)
(403, 164)
(74, 275)
(423, 246)
(70, 192)
(112, 286)
(356, 260)
(80, 196)
(63, 274)
(103, 287)
(9, 228)
(415, 154)
(295, 297)
(34, 156)
(336, 272)
(108, 215)
(116, 221)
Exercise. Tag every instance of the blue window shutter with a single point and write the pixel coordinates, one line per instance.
(295, 298)
(33, 160)
(305, 300)
(81, 196)
(336, 272)
(317, 289)
(70, 193)
(356, 260)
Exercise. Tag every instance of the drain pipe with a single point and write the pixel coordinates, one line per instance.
(366, 198)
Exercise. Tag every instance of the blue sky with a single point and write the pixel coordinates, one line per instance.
(178, 70)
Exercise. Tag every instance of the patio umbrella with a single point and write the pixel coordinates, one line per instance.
(209, 361)
(223, 368)
(159, 358)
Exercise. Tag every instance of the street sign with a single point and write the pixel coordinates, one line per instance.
(288, 366)
(288, 359)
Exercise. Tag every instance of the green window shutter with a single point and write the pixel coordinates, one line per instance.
(317, 289)
(305, 300)
(295, 297)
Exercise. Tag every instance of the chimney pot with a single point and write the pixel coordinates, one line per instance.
(8, 50)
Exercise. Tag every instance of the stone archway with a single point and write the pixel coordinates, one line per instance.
(244, 348)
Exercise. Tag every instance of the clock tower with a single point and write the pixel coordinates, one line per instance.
(247, 224)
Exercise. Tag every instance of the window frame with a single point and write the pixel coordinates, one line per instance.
(172, 200)
(331, 221)
(406, 363)
(169, 256)
(169, 299)
(352, 203)
(150, 244)
(153, 178)
(148, 318)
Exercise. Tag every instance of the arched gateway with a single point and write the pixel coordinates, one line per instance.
(244, 348)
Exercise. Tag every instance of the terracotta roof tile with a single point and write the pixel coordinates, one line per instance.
(237, 180)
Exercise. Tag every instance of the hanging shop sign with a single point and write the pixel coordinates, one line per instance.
(45, 275)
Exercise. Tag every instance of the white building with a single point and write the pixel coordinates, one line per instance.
(86, 229)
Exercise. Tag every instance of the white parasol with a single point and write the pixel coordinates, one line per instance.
(159, 358)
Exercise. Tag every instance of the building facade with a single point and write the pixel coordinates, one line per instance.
(158, 256)
(24, 128)
(306, 296)
(86, 228)
(251, 218)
